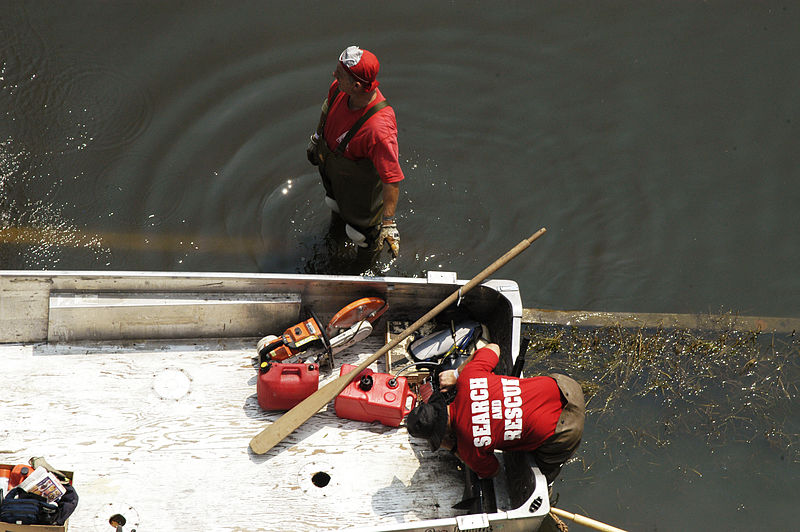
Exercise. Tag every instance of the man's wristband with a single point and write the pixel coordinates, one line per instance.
(455, 371)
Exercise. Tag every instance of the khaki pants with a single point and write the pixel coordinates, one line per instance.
(558, 448)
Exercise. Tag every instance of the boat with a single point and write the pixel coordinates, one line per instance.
(143, 384)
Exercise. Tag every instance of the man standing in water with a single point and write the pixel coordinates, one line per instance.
(355, 147)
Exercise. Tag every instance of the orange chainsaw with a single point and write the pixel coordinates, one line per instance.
(314, 342)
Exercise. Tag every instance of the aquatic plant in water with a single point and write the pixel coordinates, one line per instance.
(651, 386)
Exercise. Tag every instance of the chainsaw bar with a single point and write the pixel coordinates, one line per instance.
(309, 342)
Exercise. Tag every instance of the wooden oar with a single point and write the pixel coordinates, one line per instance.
(291, 420)
(586, 521)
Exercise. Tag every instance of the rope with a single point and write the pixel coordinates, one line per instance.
(562, 526)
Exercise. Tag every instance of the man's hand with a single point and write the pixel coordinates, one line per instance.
(390, 234)
(311, 150)
(447, 379)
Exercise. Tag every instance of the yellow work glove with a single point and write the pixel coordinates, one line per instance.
(390, 234)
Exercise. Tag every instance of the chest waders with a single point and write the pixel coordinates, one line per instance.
(355, 185)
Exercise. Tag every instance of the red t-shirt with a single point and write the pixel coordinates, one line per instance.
(498, 412)
(375, 140)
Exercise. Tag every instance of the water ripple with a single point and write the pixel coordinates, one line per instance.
(101, 106)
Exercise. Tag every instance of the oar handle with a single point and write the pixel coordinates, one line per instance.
(291, 420)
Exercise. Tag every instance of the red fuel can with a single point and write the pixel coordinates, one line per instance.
(375, 397)
(282, 386)
(19, 473)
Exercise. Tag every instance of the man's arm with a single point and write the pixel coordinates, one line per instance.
(391, 193)
(389, 232)
(312, 150)
(447, 379)
(483, 462)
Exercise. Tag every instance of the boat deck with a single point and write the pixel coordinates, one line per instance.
(159, 430)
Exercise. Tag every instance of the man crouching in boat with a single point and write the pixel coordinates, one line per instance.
(543, 415)
(355, 147)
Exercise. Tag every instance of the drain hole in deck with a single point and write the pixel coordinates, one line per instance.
(122, 515)
(321, 479)
(117, 521)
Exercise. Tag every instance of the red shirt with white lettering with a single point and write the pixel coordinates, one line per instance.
(375, 140)
(498, 412)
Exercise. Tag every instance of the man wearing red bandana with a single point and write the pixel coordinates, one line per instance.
(355, 147)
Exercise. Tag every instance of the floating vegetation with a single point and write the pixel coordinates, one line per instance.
(651, 385)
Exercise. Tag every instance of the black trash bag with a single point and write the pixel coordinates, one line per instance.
(19, 506)
(66, 505)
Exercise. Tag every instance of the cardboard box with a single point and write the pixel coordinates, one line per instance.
(12, 527)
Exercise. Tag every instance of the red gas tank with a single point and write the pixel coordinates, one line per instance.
(282, 386)
(375, 397)
(19, 473)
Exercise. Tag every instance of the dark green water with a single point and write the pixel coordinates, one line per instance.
(659, 143)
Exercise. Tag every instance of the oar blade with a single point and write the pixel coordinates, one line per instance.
(273, 434)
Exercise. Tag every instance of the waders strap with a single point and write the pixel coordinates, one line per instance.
(353, 130)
